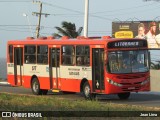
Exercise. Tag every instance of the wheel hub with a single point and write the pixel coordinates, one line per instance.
(35, 87)
(87, 91)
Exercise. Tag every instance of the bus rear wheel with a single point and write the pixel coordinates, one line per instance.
(124, 96)
(36, 87)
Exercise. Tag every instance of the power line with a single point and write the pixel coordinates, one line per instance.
(16, 25)
(156, 8)
(67, 15)
(22, 28)
(46, 27)
(14, 1)
(79, 13)
(13, 30)
(116, 10)
(97, 16)
(76, 11)
(128, 8)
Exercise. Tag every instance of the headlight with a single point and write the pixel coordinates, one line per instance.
(114, 83)
(146, 81)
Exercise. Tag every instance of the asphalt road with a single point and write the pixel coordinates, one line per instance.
(149, 99)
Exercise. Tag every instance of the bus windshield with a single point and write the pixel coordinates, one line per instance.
(128, 61)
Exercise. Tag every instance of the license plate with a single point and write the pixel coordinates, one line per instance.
(130, 88)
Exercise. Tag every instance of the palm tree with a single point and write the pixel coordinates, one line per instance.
(67, 29)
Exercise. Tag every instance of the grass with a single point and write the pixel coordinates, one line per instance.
(52, 103)
(13, 102)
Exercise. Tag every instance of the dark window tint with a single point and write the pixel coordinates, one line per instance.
(68, 55)
(10, 53)
(55, 54)
(82, 55)
(42, 54)
(30, 54)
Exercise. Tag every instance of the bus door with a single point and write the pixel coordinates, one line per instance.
(54, 56)
(18, 65)
(97, 69)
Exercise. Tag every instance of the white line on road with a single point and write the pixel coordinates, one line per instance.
(4, 83)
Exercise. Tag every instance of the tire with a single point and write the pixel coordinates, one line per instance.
(87, 91)
(36, 87)
(65, 92)
(44, 92)
(124, 96)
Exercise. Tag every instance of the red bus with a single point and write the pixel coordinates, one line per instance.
(91, 66)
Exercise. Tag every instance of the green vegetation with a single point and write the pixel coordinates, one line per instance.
(68, 29)
(13, 102)
(52, 103)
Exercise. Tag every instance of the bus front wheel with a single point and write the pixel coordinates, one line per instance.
(124, 95)
(36, 87)
(87, 91)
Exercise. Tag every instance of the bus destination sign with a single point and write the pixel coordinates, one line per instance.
(128, 44)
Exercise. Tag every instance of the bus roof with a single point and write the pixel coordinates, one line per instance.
(66, 40)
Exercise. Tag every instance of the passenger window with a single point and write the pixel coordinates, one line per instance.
(82, 55)
(30, 54)
(68, 55)
(42, 54)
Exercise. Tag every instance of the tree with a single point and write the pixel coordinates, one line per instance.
(155, 66)
(67, 29)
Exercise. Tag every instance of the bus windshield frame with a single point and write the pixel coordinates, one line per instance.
(128, 61)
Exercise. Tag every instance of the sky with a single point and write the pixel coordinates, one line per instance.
(15, 26)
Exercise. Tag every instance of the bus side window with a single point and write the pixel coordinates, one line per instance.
(30, 54)
(42, 54)
(68, 55)
(82, 55)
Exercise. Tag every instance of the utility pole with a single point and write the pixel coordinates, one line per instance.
(86, 18)
(39, 14)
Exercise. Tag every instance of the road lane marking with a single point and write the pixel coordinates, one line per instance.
(4, 83)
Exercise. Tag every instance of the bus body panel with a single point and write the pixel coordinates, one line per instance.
(27, 81)
(10, 73)
(129, 85)
(11, 80)
(72, 85)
